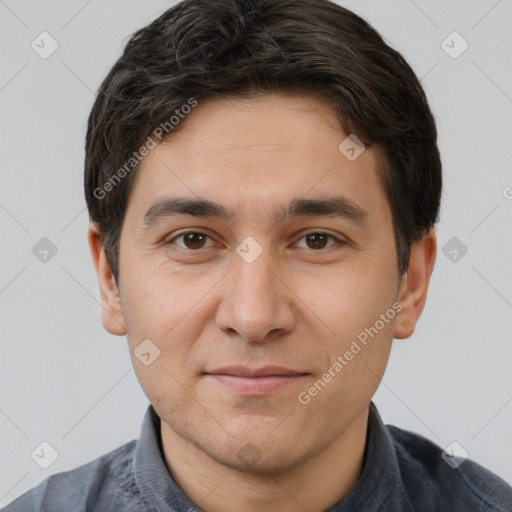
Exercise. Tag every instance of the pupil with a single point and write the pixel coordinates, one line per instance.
(194, 240)
(318, 240)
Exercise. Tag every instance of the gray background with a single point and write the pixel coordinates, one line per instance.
(66, 381)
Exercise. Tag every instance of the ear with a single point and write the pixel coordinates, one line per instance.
(111, 312)
(414, 286)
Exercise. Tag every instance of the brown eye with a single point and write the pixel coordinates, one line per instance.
(316, 241)
(191, 240)
(319, 240)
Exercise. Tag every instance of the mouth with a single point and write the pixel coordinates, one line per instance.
(255, 381)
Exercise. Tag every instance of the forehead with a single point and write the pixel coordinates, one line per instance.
(256, 153)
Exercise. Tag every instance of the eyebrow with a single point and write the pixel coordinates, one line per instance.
(332, 206)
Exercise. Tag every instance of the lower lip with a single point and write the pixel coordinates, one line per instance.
(255, 386)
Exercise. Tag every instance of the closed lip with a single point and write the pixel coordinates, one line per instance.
(265, 371)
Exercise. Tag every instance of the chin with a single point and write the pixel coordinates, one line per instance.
(266, 461)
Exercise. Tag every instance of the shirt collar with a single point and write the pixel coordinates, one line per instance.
(158, 489)
(379, 480)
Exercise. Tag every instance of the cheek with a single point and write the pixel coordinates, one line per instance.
(172, 309)
(349, 300)
(158, 301)
(352, 376)
(358, 308)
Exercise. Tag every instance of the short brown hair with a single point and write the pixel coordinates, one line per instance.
(203, 49)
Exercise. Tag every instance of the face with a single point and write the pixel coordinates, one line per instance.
(253, 256)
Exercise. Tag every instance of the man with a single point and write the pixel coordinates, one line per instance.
(263, 179)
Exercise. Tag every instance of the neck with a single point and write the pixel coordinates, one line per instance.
(315, 485)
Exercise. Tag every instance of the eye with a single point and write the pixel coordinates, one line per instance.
(192, 240)
(318, 240)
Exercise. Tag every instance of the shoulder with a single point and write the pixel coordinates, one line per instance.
(81, 488)
(454, 485)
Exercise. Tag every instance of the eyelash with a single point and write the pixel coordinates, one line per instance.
(336, 239)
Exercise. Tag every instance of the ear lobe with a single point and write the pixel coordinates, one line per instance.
(414, 286)
(111, 311)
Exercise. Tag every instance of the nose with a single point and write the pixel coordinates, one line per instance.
(256, 302)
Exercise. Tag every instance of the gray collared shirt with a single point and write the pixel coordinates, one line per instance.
(401, 472)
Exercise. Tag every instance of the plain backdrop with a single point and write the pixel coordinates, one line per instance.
(66, 381)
